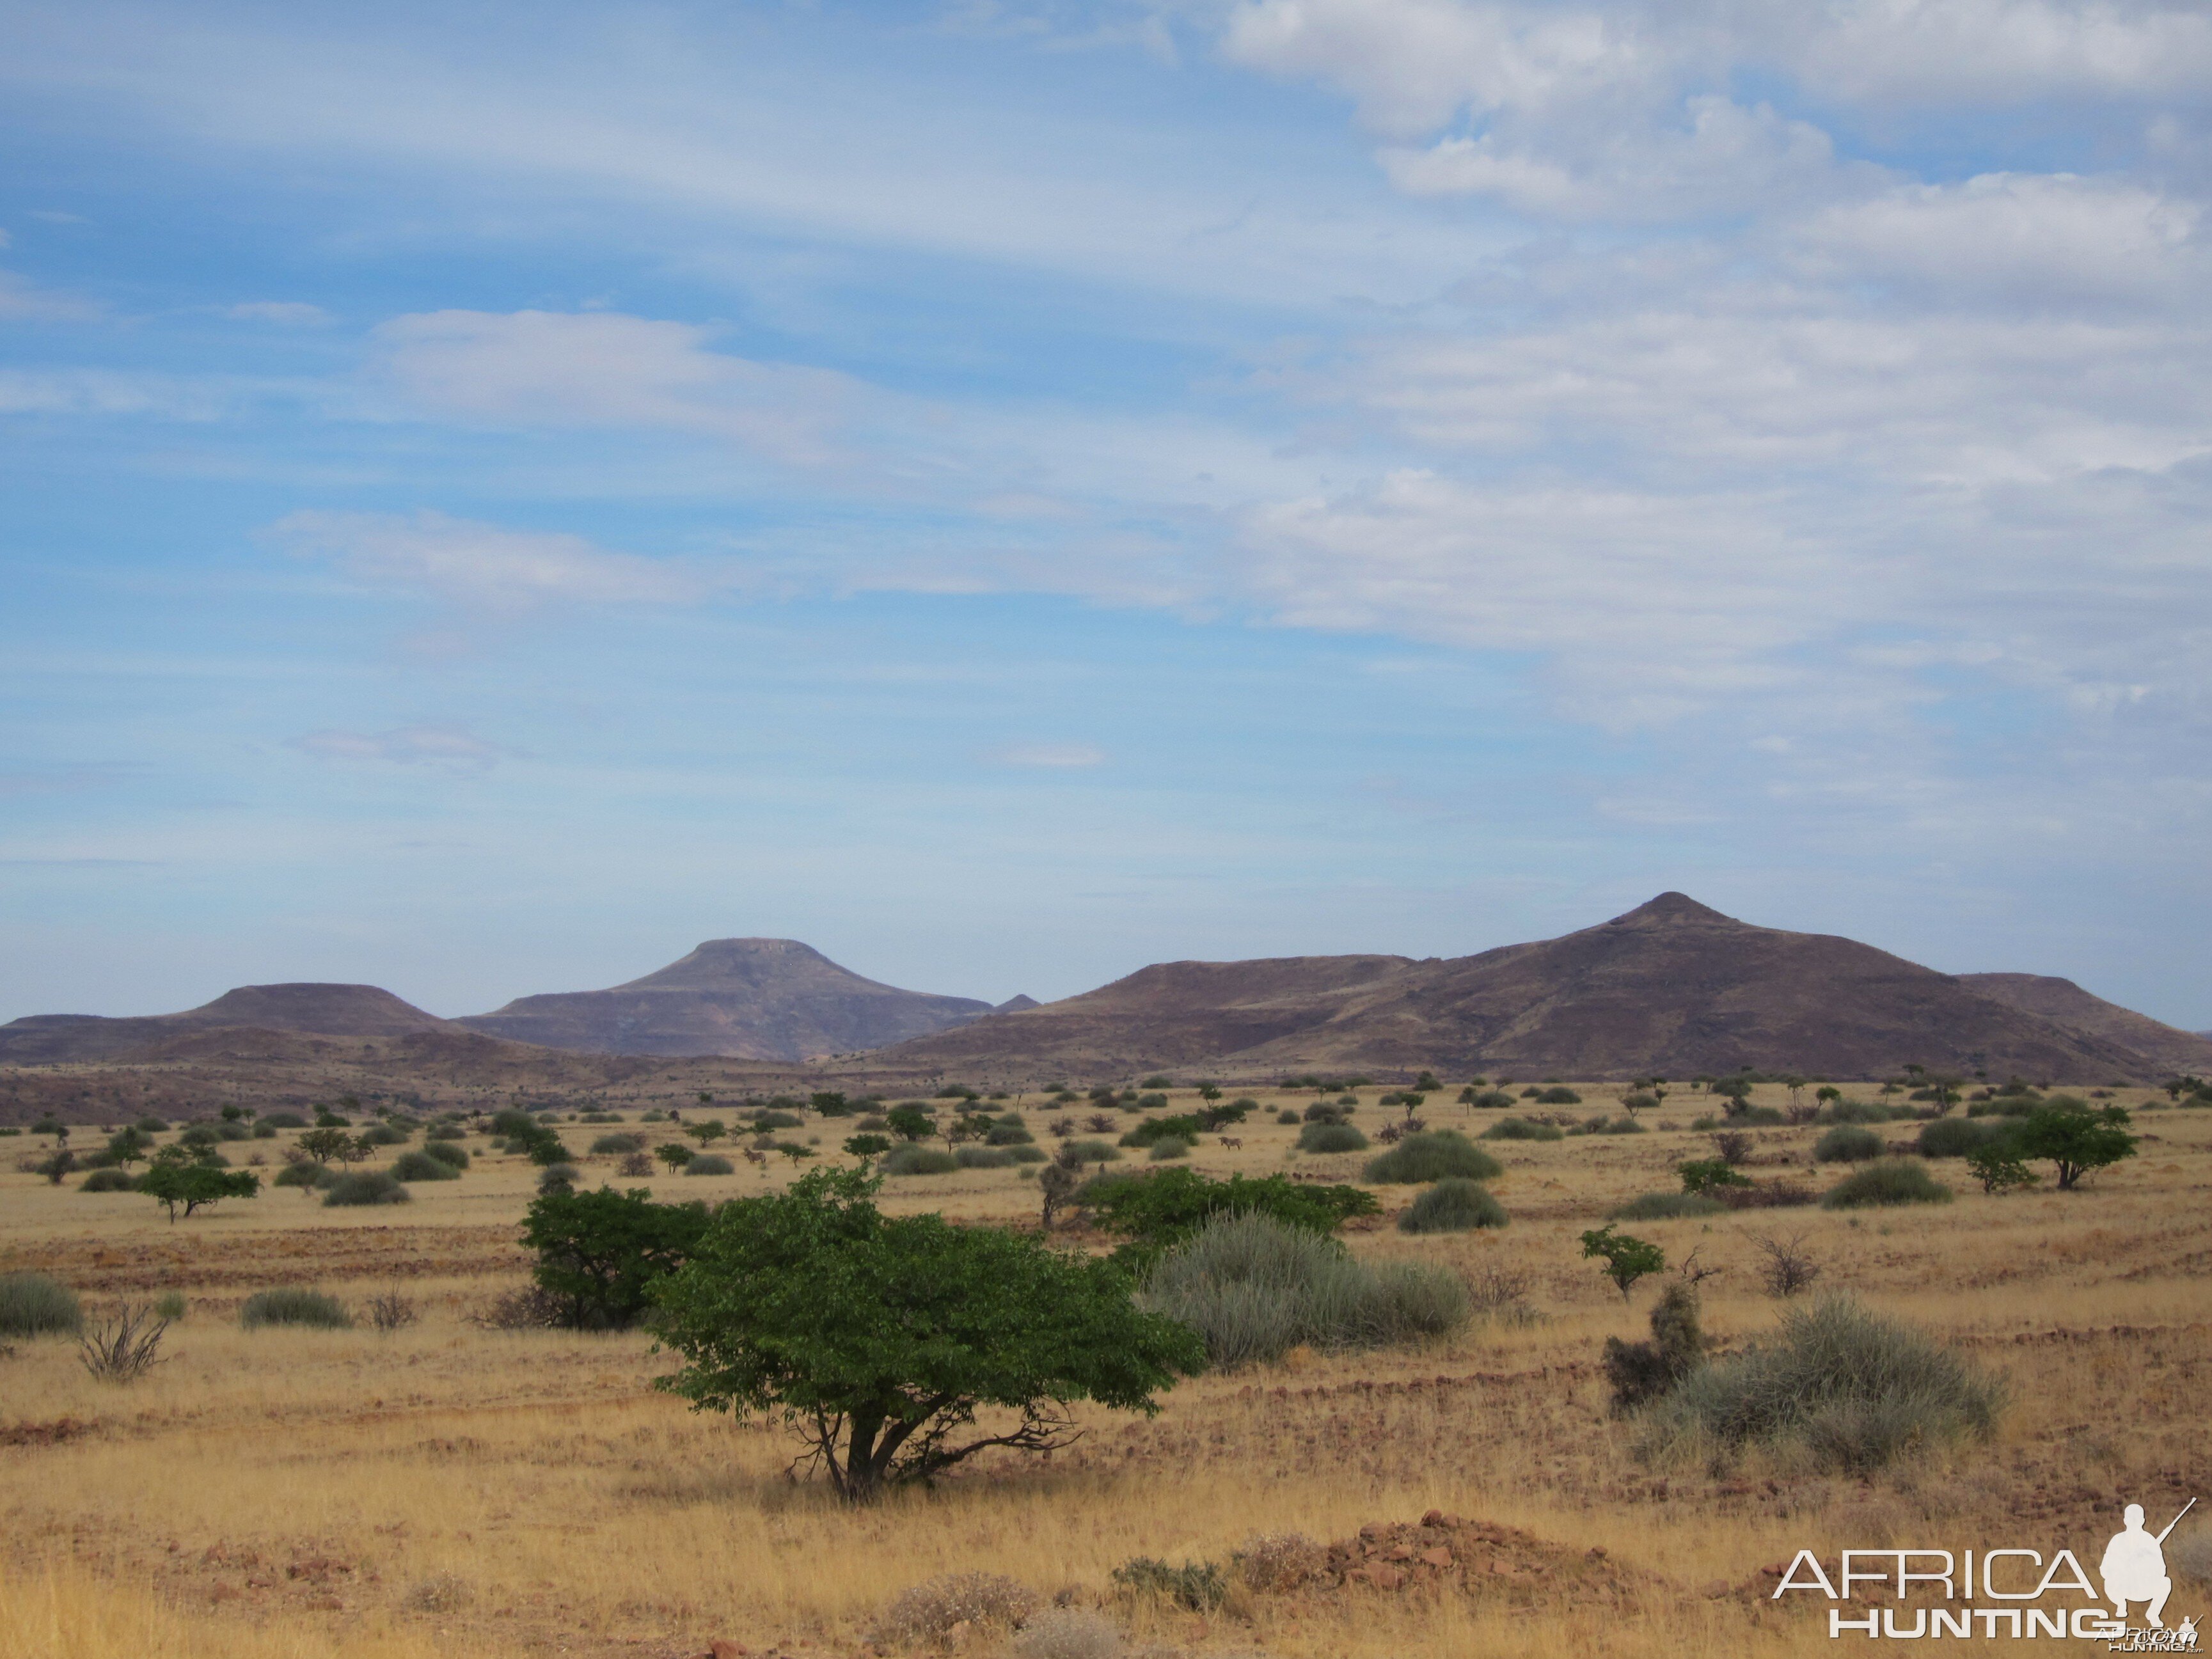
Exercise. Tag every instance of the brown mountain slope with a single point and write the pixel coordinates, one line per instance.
(758, 999)
(2062, 1002)
(1672, 988)
(356, 1010)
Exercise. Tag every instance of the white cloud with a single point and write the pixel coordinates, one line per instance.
(445, 748)
(22, 301)
(603, 369)
(484, 568)
(1052, 757)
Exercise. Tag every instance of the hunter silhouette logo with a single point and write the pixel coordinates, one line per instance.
(2003, 1594)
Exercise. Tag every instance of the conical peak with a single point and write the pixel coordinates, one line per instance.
(1670, 910)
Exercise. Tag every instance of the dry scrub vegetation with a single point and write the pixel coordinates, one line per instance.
(441, 1487)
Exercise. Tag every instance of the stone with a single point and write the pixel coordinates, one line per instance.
(722, 1647)
(1387, 1578)
(1439, 1557)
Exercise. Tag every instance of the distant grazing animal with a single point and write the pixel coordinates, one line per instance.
(1227, 1140)
(752, 1157)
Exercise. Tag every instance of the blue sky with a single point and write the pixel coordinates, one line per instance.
(1005, 493)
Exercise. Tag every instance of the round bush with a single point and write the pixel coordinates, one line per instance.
(444, 1132)
(385, 1134)
(778, 1121)
(109, 1181)
(913, 1159)
(455, 1158)
(38, 1305)
(710, 1163)
(285, 1121)
(420, 1166)
(1667, 1206)
(983, 1158)
(1091, 1151)
(557, 1178)
(1847, 1143)
(1009, 1134)
(303, 1174)
(152, 1125)
(1325, 1135)
(294, 1304)
(1897, 1181)
(1026, 1154)
(1169, 1146)
(1558, 1095)
(1520, 1128)
(1955, 1137)
(1453, 1207)
(369, 1187)
(1286, 1116)
(616, 1146)
(1433, 1155)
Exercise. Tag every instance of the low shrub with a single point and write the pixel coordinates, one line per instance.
(384, 1135)
(913, 1159)
(1894, 1181)
(109, 1181)
(710, 1163)
(367, 1187)
(1254, 1288)
(557, 1178)
(454, 1157)
(38, 1305)
(1847, 1143)
(1608, 1126)
(438, 1131)
(309, 1174)
(1026, 1154)
(1641, 1372)
(293, 1305)
(617, 1146)
(984, 1157)
(1077, 1154)
(1168, 1146)
(1520, 1128)
(1487, 1100)
(1433, 1155)
(1558, 1095)
(284, 1120)
(1008, 1134)
(1199, 1586)
(1327, 1135)
(1276, 1563)
(1069, 1633)
(1286, 1116)
(1856, 1111)
(1453, 1207)
(1667, 1206)
(1839, 1387)
(779, 1120)
(927, 1611)
(1955, 1137)
(420, 1166)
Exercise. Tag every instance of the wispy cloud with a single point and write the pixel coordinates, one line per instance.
(444, 748)
(1052, 757)
(285, 313)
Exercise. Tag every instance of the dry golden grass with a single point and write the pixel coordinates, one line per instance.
(453, 1489)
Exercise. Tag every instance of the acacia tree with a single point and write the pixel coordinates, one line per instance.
(176, 1179)
(2076, 1137)
(879, 1338)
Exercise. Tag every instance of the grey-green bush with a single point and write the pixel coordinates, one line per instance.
(1026, 1154)
(1955, 1137)
(1847, 1143)
(38, 1305)
(455, 1158)
(982, 1158)
(1453, 1207)
(367, 1187)
(302, 1175)
(1667, 1206)
(293, 1305)
(109, 1181)
(1895, 1181)
(710, 1163)
(420, 1166)
(1432, 1155)
(1254, 1288)
(1520, 1128)
(913, 1159)
(1169, 1146)
(1325, 1136)
(1839, 1387)
(616, 1146)
(1089, 1151)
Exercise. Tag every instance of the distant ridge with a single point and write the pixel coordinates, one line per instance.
(754, 999)
(2060, 1001)
(1672, 987)
(355, 1011)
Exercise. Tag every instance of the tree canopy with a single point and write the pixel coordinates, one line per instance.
(2075, 1136)
(600, 1252)
(879, 1338)
(178, 1179)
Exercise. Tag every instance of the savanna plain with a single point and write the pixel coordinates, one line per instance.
(455, 1487)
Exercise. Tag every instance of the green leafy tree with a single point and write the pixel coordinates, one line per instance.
(675, 1154)
(1159, 1209)
(330, 1144)
(600, 1252)
(127, 1146)
(1209, 1092)
(1996, 1165)
(707, 1131)
(176, 1179)
(865, 1147)
(877, 1338)
(2078, 1138)
(1626, 1259)
(910, 1123)
(1702, 1175)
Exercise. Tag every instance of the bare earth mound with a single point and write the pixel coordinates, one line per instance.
(1672, 987)
(353, 1011)
(756, 998)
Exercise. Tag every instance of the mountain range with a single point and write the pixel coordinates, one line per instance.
(1672, 988)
